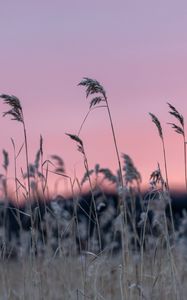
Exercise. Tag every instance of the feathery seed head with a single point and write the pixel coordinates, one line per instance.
(97, 168)
(6, 160)
(177, 129)
(95, 101)
(59, 162)
(131, 173)
(79, 142)
(93, 87)
(86, 176)
(37, 159)
(156, 178)
(108, 175)
(16, 109)
(157, 123)
(41, 145)
(176, 114)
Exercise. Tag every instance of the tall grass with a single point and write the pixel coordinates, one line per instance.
(156, 121)
(82, 150)
(149, 263)
(16, 114)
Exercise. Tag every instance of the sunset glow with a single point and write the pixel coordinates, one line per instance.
(136, 49)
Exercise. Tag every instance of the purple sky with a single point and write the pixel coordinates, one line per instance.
(136, 49)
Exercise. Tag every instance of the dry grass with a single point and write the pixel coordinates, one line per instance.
(63, 278)
(153, 266)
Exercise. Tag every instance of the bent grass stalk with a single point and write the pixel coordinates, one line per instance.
(94, 87)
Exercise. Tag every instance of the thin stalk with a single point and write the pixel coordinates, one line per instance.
(5, 185)
(165, 163)
(27, 160)
(122, 203)
(185, 160)
(170, 257)
(16, 184)
(85, 118)
(81, 150)
(29, 193)
(15, 171)
(42, 181)
(93, 200)
(115, 143)
(167, 183)
(143, 241)
(83, 265)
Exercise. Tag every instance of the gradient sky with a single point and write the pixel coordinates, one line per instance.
(136, 49)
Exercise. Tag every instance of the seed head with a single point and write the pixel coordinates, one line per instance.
(93, 87)
(176, 114)
(16, 109)
(131, 173)
(157, 123)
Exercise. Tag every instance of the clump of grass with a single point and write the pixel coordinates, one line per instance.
(152, 275)
(158, 199)
(16, 113)
(81, 149)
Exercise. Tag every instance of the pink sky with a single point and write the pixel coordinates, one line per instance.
(136, 49)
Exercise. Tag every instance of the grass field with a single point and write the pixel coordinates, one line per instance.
(151, 260)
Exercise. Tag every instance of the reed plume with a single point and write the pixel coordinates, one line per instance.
(130, 172)
(180, 130)
(60, 168)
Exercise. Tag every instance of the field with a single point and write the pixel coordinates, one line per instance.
(121, 245)
(82, 278)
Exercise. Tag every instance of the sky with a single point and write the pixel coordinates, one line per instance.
(136, 49)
